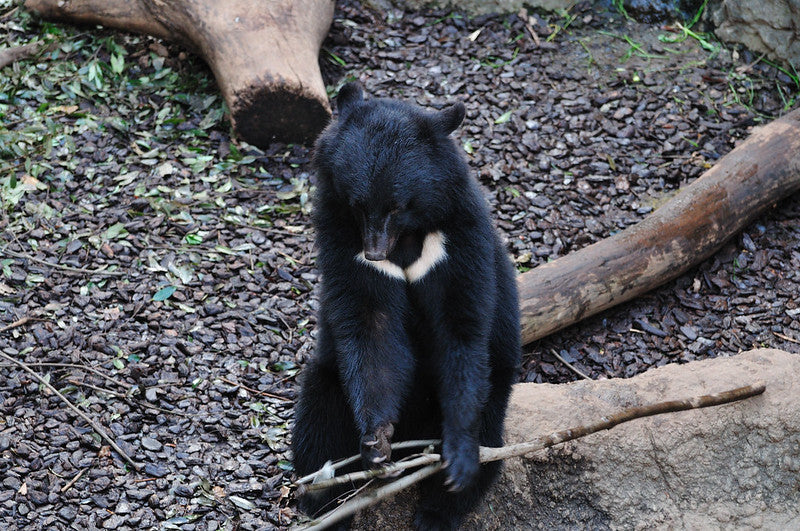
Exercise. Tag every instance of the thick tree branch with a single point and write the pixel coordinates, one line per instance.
(686, 230)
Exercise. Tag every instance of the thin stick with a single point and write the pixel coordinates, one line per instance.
(569, 365)
(606, 423)
(786, 338)
(496, 454)
(80, 413)
(65, 268)
(254, 391)
(15, 324)
(74, 480)
(402, 445)
(96, 388)
(356, 504)
(85, 368)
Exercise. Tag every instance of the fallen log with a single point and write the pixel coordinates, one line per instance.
(264, 54)
(686, 230)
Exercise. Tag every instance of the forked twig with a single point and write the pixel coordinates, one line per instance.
(385, 471)
(495, 454)
(402, 445)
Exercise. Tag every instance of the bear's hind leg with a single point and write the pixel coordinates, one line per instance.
(323, 431)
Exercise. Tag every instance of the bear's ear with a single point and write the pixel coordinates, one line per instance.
(447, 120)
(349, 96)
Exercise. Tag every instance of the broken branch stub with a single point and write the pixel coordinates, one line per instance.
(264, 54)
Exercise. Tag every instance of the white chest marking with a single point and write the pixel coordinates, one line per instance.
(433, 252)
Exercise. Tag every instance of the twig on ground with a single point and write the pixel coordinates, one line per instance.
(515, 450)
(19, 322)
(96, 427)
(78, 383)
(84, 368)
(74, 480)
(356, 504)
(786, 338)
(569, 365)
(65, 268)
(254, 391)
(529, 23)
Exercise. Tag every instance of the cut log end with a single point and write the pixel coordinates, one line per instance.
(263, 54)
(264, 114)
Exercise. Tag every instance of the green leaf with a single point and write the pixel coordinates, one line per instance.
(503, 118)
(164, 293)
(224, 250)
(118, 364)
(5, 264)
(193, 239)
(117, 63)
(336, 59)
(283, 366)
(242, 503)
(117, 230)
(186, 308)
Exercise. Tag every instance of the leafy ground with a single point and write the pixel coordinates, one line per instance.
(167, 269)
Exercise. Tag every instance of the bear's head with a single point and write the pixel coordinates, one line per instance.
(392, 165)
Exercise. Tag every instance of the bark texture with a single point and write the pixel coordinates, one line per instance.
(686, 230)
(264, 53)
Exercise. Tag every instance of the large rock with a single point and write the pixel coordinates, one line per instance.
(763, 27)
(732, 466)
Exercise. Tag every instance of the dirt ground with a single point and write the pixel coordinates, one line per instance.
(167, 269)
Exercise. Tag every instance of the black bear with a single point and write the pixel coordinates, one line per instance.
(418, 325)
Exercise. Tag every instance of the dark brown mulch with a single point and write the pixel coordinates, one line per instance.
(572, 141)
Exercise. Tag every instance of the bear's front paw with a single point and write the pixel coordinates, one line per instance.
(461, 465)
(376, 447)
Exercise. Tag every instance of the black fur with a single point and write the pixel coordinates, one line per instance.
(431, 358)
